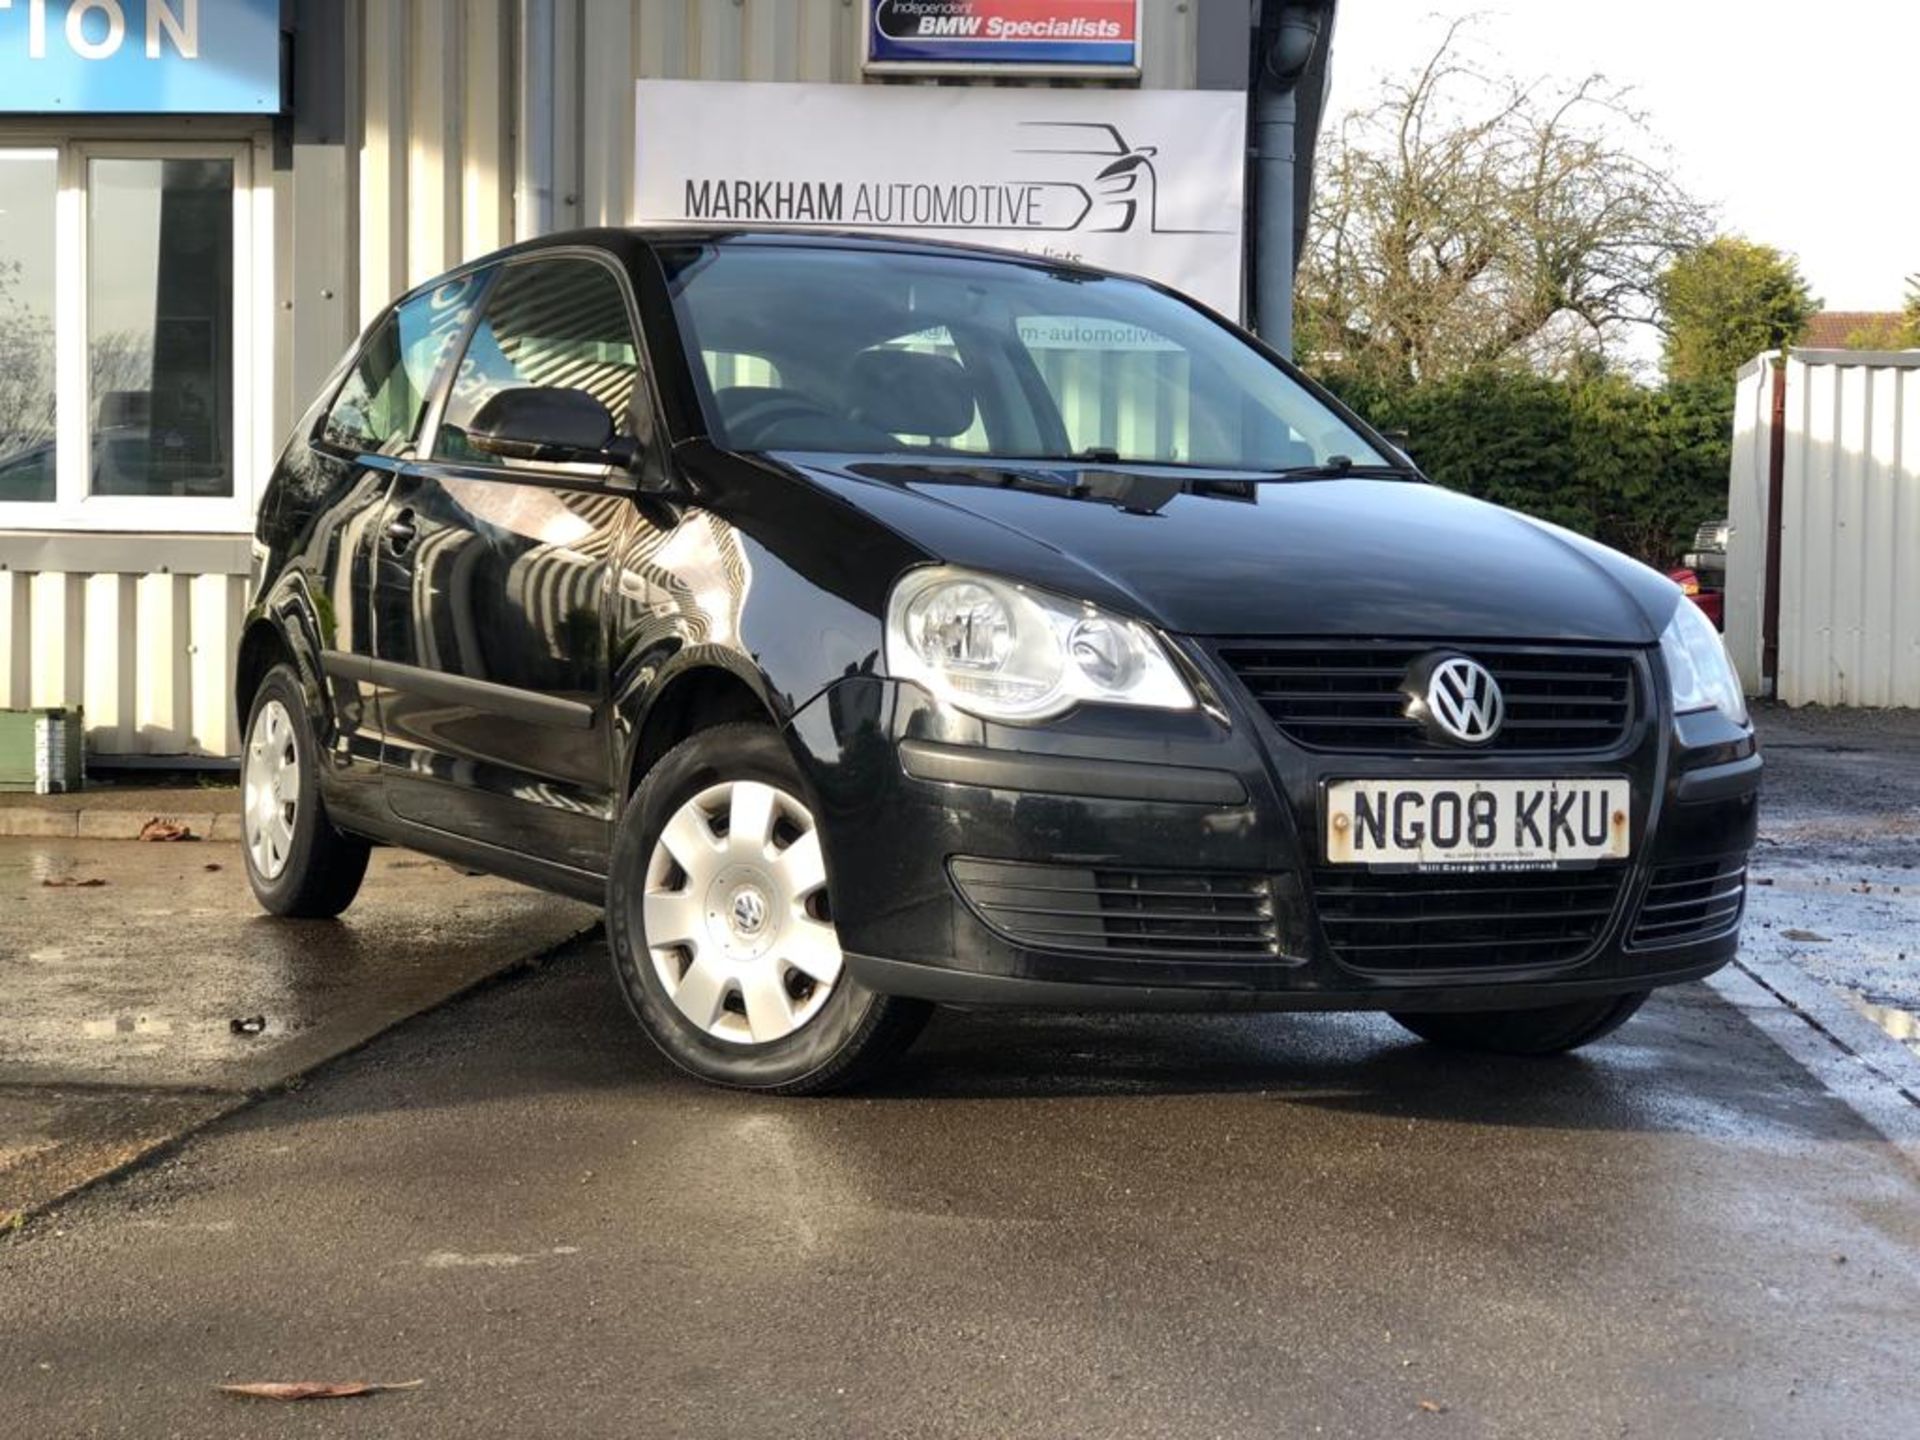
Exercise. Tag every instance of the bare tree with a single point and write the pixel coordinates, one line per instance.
(1470, 219)
(26, 370)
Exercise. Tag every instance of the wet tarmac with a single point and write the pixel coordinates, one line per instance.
(1836, 887)
(143, 991)
(1040, 1226)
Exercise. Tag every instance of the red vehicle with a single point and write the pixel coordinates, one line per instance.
(1711, 602)
(1702, 572)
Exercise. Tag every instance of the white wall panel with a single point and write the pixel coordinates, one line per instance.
(1746, 509)
(145, 656)
(1849, 528)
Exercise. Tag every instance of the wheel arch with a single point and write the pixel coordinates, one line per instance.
(698, 696)
(265, 643)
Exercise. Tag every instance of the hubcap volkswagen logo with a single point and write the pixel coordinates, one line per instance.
(749, 912)
(1461, 701)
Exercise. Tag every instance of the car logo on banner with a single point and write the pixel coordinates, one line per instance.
(1456, 698)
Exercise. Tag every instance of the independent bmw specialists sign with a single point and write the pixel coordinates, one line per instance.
(1147, 181)
(1034, 36)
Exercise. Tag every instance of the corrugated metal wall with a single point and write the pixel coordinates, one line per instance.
(147, 654)
(1850, 529)
(434, 177)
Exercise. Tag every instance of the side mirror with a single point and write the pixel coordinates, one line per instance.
(551, 424)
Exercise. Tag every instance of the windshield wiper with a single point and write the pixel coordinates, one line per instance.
(1341, 467)
(1334, 467)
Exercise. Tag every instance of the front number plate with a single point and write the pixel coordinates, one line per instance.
(1502, 824)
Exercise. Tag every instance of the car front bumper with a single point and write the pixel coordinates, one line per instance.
(926, 812)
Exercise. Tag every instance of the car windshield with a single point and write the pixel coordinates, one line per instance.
(870, 352)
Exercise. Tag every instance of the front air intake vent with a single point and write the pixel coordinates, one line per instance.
(1124, 914)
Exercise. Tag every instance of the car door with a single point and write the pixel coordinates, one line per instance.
(365, 437)
(492, 577)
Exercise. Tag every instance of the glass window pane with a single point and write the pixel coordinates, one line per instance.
(1117, 386)
(558, 323)
(160, 326)
(378, 408)
(1060, 364)
(29, 182)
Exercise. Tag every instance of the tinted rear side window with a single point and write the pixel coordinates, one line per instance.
(378, 409)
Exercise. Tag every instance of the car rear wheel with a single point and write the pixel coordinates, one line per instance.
(298, 864)
(1550, 1030)
(721, 925)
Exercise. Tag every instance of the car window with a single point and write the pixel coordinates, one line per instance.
(879, 352)
(378, 409)
(561, 323)
(728, 368)
(1116, 386)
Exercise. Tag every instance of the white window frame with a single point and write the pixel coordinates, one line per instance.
(73, 508)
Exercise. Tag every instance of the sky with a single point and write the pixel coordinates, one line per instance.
(1797, 120)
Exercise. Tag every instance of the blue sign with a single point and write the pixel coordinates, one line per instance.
(1044, 36)
(140, 57)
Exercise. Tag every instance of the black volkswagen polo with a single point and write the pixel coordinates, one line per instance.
(873, 624)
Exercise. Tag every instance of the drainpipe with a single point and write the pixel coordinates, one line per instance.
(533, 142)
(1289, 34)
(1776, 498)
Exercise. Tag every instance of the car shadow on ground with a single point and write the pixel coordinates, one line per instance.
(1689, 1063)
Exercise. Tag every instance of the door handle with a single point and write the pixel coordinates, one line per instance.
(401, 532)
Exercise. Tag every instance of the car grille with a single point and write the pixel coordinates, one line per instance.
(1385, 921)
(1711, 537)
(1690, 902)
(1348, 698)
(1126, 914)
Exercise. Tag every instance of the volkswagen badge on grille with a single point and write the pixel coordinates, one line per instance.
(1456, 698)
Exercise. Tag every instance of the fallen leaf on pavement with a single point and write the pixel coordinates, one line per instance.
(1433, 1407)
(1804, 936)
(316, 1389)
(158, 829)
(73, 882)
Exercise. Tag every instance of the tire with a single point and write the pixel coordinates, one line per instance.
(298, 864)
(722, 936)
(1550, 1030)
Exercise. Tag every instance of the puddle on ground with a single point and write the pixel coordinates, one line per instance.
(1902, 1025)
(117, 1025)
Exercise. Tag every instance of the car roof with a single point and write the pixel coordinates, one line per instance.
(622, 238)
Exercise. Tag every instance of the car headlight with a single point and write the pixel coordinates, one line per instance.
(1697, 666)
(1006, 652)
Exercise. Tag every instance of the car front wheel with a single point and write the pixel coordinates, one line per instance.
(721, 925)
(297, 863)
(1549, 1030)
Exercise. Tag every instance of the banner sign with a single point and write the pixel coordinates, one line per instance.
(140, 57)
(1040, 36)
(1145, 181)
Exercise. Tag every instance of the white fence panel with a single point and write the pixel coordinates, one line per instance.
(1849, 628)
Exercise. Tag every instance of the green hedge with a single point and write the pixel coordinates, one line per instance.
(1638, 469)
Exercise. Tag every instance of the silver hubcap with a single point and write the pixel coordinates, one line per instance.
(736, 921)
(271, 789)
